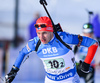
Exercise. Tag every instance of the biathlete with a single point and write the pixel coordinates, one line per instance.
(58, 60)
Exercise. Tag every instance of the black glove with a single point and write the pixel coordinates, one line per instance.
(11, 75)
(84, 67)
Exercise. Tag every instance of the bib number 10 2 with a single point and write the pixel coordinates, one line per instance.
(55, 63)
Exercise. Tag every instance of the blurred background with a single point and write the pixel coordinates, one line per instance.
(16, 18)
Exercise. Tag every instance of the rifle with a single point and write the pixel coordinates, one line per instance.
(55, 27)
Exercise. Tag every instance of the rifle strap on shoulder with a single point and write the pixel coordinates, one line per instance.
(58, 37)
(37, 45)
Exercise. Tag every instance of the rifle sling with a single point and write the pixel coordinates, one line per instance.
(58, 37)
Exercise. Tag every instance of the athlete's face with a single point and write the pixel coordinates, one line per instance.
(45, 36)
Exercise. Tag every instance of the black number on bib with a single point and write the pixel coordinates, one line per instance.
(55, 63)
(51, 64)
(62, 64)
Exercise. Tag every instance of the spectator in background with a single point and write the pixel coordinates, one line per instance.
(96, 29)
(96, 25)
(32, 30)
(81, 53)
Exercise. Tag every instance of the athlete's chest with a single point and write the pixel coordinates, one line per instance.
(52, 49)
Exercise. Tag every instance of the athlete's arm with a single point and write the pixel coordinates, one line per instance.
(30, 46)
(92, 47)
(86, 41)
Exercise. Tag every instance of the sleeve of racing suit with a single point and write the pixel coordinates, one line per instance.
(27, 49)
(86, 41)
(92, 47)
(91, 52)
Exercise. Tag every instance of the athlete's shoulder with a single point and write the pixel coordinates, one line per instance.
(62, 33)
(68, 37)
(65, 34)
(32, 42)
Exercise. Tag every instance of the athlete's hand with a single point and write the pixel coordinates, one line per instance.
(11, 75)
(84, 67)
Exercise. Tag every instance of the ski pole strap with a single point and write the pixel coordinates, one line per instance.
(80, 40)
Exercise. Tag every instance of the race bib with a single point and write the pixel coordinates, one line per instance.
(55, 63)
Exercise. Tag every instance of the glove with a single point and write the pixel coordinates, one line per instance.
(84, 67)
(11, 75)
